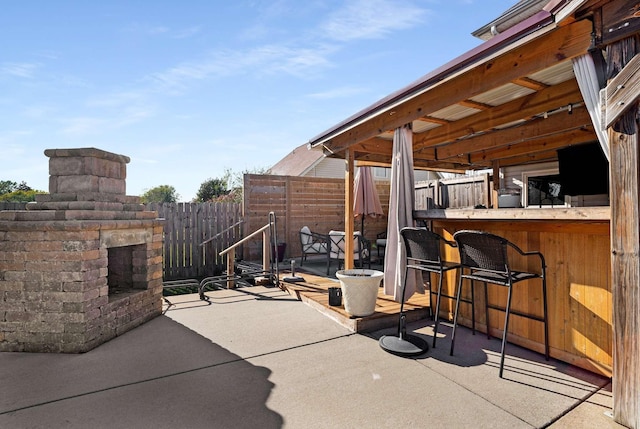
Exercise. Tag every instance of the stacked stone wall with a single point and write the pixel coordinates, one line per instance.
(54, 292)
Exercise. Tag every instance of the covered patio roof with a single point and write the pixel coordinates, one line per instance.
(512, 100)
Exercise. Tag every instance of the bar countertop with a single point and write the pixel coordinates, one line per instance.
(588, 214)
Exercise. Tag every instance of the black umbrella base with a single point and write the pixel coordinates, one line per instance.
(410, 345)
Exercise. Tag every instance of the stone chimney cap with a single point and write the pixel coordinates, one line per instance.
(89, 152)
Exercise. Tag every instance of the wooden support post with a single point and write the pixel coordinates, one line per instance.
(496, 184)
(625, 248)
(231, 257)
(266, 262)
(348, 210)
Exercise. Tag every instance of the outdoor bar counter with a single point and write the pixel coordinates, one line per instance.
(576, 245)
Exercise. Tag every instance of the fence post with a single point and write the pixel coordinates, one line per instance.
(266, 239)
(231, 273)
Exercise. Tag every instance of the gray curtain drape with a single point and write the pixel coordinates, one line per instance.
(585, 70)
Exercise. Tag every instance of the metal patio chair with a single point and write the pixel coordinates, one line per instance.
(336, 243)
(312, 243)
(484, 258)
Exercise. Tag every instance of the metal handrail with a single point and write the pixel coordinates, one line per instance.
(253, 234)
(220, 233)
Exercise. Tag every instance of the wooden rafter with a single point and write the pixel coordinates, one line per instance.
(434, 120)
(475, 105)
(525, 107)
(533, 146)
(530, 83)
(553, 125)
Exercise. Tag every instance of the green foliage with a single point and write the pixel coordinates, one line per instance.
(21, 196)
(211, 189)
(160, 194)
(225, 189)
(235, 180)
(17, 192)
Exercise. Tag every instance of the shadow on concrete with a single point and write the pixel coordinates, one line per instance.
(160, 374)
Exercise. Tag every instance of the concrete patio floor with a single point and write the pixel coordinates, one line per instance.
(256, 357)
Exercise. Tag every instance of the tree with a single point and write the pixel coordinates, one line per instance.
(7, 186)
(14, 192)
(160, 194)
(235, 183)
(211, 189)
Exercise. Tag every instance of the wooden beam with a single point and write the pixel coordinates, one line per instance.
(530, 147)
(621, 93)
(624, 151)
(496, 183)
(552, 125)
(525, 107)
(373, 145)
(563, 43)
(529, 158)
(625, 239)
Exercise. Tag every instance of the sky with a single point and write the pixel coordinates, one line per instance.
(190, 89)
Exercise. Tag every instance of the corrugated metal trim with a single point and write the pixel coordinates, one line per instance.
(503, 94)
(454, 112)
(422, 126)
(559, 73)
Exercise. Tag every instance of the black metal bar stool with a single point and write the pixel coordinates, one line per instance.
(423, 253)
(483, 257)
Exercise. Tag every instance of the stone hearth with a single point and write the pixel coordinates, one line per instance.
(83, 263)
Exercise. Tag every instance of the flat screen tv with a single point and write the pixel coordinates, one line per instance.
(584, 170)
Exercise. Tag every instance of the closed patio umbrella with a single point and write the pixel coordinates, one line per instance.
(366, 201)
(401, 203)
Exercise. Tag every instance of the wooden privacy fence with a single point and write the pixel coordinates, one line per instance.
(189, 225)
(316, 202)
(461, 192)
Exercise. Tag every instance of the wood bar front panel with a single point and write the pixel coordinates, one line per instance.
(578, 288)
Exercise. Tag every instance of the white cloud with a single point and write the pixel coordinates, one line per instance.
(262, 59)
(24, 70)
(372, 19)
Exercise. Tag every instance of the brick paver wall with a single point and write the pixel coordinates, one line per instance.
(54, 259)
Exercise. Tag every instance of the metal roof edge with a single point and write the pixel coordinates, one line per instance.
(473, 56)
(563, 8)
(515, 12)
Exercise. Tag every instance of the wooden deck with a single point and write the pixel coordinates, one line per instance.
(315, 292)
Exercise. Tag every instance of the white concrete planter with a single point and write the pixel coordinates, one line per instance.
(359, 290)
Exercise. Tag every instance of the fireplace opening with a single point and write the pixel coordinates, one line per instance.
(124, 265)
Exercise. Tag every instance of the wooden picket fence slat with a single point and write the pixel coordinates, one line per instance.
(187, 226)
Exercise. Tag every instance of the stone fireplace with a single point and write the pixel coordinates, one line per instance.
(83, 263)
